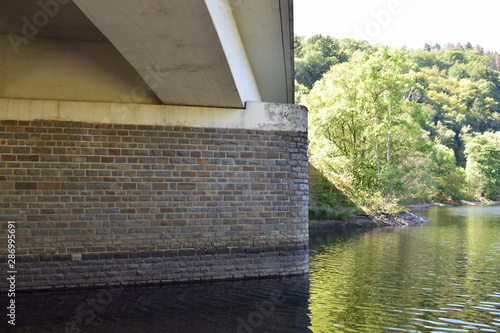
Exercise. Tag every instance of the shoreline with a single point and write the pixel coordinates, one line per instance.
(402, 219)
(450, 204)
(370, 221)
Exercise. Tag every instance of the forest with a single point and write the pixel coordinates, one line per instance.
(391, 127)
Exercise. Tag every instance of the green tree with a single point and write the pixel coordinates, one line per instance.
(461, 93)
(393, 125)
(315, 55)
(483, 165)
(364, 124)
(450, 179)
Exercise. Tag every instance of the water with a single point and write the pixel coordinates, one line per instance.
(266, 305)
(439, 277)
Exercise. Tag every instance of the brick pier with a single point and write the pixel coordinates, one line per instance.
(98, 204)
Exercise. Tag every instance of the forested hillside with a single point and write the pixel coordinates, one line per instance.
(390, 127)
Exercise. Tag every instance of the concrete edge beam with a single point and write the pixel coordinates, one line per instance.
(230, 39)
(256, 115)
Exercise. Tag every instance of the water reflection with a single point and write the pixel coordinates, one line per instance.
(475, 211)
(266, 305)
(434, 278)
(439, 277)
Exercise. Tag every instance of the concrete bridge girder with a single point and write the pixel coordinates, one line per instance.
(215, 53)
(193, 52)
(174, 46)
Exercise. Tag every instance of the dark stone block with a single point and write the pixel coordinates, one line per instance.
(187, 252)
(25, 186)
(135, 255)
(46, 257)
(254, 249)
(120, 255)
(157, 254)
(237, 250)
(201, 252)
(145, 254)
(90, 256)
(61, 257)
(171, 253)
(223, 251)
(106, 255)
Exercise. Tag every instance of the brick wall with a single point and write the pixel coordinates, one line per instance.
(84, 193)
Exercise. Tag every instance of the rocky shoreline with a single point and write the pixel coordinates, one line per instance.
(371, 221)
(403, 219)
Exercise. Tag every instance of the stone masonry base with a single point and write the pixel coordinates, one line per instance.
(169, 266)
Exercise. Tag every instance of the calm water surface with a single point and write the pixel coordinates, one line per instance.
(439, 277)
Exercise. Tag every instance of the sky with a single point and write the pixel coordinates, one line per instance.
(398, 23)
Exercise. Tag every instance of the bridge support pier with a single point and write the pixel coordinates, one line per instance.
(105, 193)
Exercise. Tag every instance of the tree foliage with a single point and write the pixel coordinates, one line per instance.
(483, 165)
(315, 55)
(364, 126)
(402, 125)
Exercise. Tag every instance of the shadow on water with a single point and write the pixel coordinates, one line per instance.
(438, 277)
(260, 305)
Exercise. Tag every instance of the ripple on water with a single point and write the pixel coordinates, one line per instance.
(441, 277)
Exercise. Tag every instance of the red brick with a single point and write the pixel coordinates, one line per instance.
(106, 126)
(195, 154)
(107, 159)
(8, 157)
(28, 158)
(129, 186)
(246, 154)
(41, 150)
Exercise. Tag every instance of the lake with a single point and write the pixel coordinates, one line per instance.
(438, 277)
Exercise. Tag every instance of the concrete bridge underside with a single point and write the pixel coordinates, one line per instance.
(187, 52)
(150, 141)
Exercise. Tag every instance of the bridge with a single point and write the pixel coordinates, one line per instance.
(150, 141)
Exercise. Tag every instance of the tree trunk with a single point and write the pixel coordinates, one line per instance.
(377, 158)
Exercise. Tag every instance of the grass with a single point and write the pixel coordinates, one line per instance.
(326, 213)
(327, 202)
